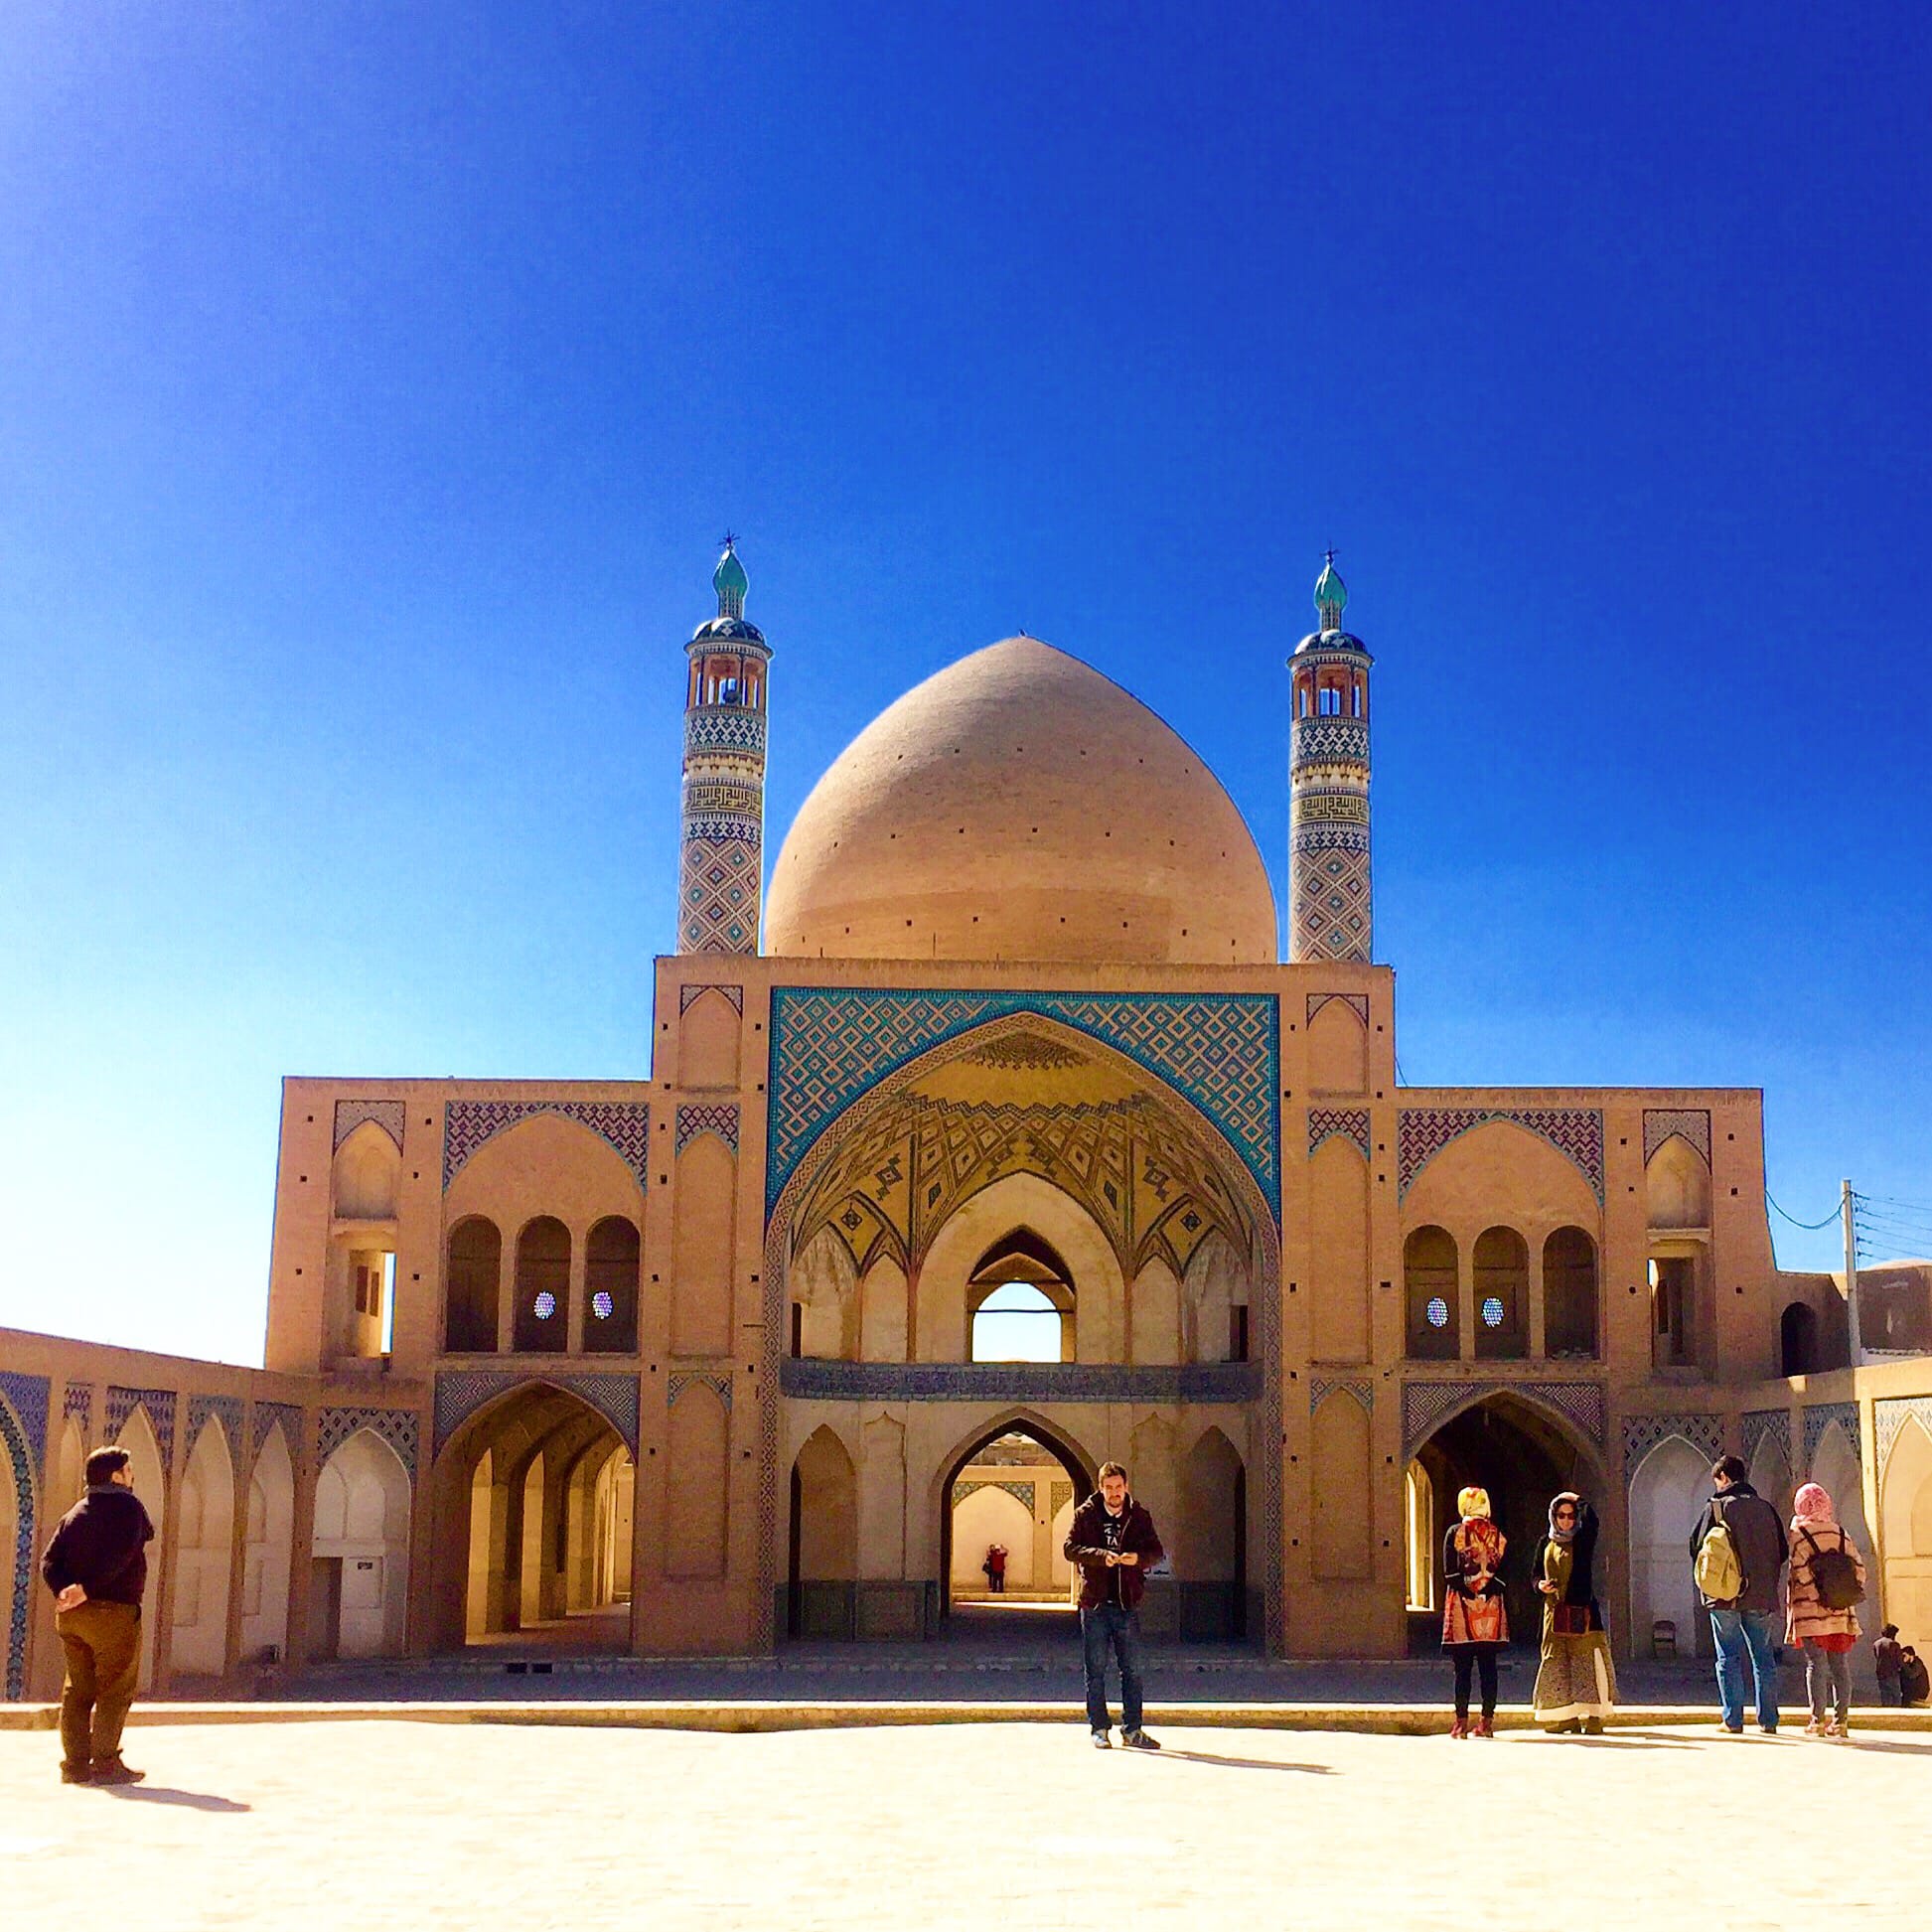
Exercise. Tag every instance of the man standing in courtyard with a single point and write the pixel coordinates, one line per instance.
(1113, 1543)
(1740, 1625)
(97, 1566)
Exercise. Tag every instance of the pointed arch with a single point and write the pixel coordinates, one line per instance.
(365, 1174)
(149, 1472)
(18, 1540)
(1667, 1491)
(268, 1549)
(360, 1551)
(205, 1554)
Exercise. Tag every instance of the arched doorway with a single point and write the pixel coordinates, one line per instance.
(1523, 1456)
(823, 1572)
(204, 1558)
(1667, 1495)
(268, 1550)
(1010, 1486)
(145, 1467)
(358, 1589)
(1905, 1512)
(533, 1527)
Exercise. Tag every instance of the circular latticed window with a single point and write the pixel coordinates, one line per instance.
(1493, 1312)
(545, 1307)
(1438, 1312)
(601, 1306)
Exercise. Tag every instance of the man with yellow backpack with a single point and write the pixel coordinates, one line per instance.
(1738, 1555)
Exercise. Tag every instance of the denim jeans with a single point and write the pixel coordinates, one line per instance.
(1889, 1694)
(1104, 1626)
(1737, 1633)
(1828, 1673)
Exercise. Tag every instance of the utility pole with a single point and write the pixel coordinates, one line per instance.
(1850, 1276)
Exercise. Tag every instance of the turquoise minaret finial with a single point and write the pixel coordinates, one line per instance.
(729, 580)
(1331, 594)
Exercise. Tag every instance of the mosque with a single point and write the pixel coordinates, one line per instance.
(721, 1358)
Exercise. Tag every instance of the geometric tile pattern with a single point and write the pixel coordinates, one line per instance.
(1220, 1051)
(718, 893)
(1891, 1414)
(28, 1395)
(160, 1406)
(388, 1114)
(396, 1427)
(1319, 1388)
(695, 1121)
(1426, 1404)
(1577, 1133)
(626, 1124)
(25, 1396)
(267, 1415)
(1059, 1495)
(1819, 1420)
(719, 1386)
(723, 848)
(461, 1392)
(1023, 1491)
(1761, 1422)
(688, 993)
(1691, 1124)
(1642, 1433)
(78, 1401)
(1358, 1002)
(229, 1409)
(1351, 1121)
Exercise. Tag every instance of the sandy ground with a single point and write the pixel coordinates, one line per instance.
(392, 1825)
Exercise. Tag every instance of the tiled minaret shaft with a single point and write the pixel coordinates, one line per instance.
(723, 864)
(1331, 912)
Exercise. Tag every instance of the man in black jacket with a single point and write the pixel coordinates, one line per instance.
(1112, 1542)
(1741, 1627)
(97, 1566)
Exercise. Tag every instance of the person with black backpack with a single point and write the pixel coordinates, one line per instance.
(1825, 1586)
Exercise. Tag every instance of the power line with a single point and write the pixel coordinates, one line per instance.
(1810, 1227)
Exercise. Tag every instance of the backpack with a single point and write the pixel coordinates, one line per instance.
(1719, 1570)
(1834, 1576)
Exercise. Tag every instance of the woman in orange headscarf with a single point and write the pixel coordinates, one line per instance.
(1475, 1620)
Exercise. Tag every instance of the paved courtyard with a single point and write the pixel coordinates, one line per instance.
(395, 1823)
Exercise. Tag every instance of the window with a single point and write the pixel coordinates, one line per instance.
(1429, 1291)
(1798, 1340)
(611, 1258)
(1502, 1262)
(1569, 1294)
(1328, 703)
(1238, 1333)
(1016, 1323)
(471, 1286)
(1673, 1300)
(543, 1312)
(1419, 1524)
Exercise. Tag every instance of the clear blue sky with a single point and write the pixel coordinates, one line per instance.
(374, 382)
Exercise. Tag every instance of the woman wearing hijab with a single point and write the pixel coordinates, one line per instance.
(1576, 1682)
(1475, 1622)
(1826, 1634)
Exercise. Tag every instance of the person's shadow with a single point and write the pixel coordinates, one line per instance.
(162, 1794)
(1248, 1763)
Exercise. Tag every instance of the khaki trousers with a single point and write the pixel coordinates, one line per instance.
(103, 1642)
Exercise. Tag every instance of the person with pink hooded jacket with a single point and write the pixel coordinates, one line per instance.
(1818, 1618)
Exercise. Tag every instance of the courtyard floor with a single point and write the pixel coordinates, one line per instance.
(984, 1826)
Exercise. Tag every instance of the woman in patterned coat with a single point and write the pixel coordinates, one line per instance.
(1826, 1636)
(1475, 1620)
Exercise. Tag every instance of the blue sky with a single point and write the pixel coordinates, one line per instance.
(374, 382)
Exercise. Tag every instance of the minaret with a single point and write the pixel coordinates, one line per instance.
(723, 865)
(1330, 902)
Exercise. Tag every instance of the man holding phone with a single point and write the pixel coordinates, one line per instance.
(1112, 1542)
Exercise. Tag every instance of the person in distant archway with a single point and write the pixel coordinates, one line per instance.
(97, 1566)
(1475, 1617)
(1576, 1681)
(996, 1567)
(1113, 1543)
(1887, 1653)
